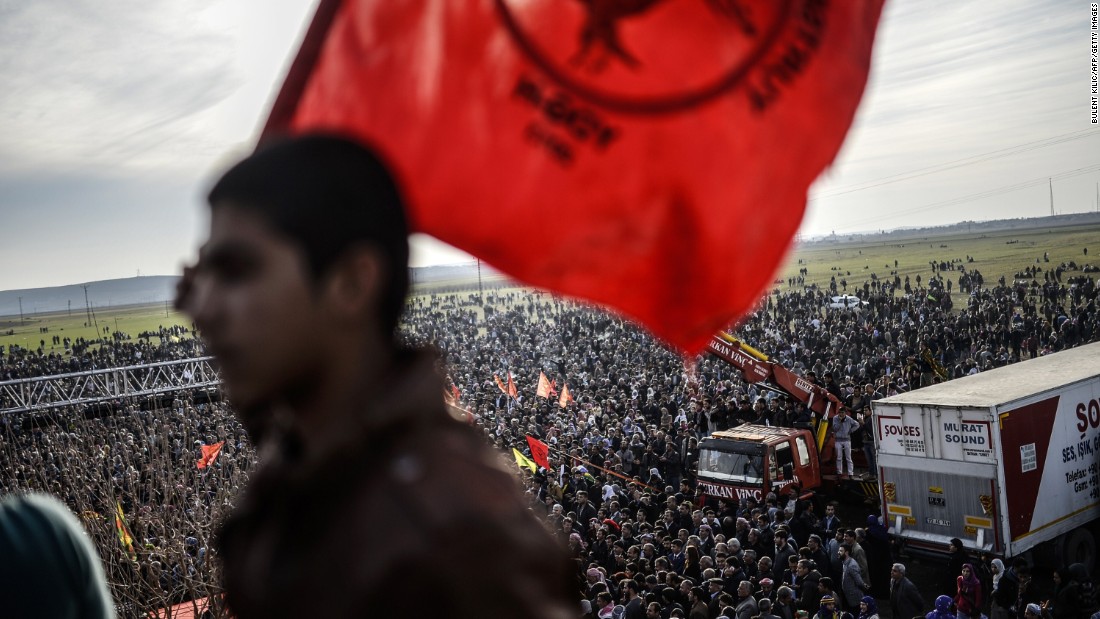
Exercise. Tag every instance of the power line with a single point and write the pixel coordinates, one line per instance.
(959, 163)
(978, 196)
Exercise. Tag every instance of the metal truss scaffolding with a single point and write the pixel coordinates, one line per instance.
(81, 388)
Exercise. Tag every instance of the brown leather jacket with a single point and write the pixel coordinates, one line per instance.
(407, 513)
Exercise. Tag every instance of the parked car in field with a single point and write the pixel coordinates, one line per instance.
(845, 301)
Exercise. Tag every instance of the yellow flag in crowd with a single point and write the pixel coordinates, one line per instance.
(523, 461)
(124, 536)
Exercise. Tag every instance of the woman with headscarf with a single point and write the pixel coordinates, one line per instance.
(876, 543)
(868, 609)
(996, 611)
(968, 596)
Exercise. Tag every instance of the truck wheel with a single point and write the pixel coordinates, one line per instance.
(1079, 547)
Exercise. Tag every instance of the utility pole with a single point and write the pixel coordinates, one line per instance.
(479, 291)
(166, 309)
(20, 311)
(87, 304)
(1051, 186)
(70, 308)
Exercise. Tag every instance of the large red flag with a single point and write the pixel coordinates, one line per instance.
(540, 452)
(678, 139)
(209, 453)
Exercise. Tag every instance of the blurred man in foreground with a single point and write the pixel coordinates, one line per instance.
(369, 498)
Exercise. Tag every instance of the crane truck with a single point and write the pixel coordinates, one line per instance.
(752, 460)
(1007, 461)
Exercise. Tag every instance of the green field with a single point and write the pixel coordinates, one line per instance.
(132, 320)
(995, 254)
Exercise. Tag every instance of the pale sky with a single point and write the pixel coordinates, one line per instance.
(116, 116)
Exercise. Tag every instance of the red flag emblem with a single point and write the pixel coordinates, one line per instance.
(678, 139)
(540, 452)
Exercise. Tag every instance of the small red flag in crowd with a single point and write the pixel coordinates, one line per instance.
(543, 390)
(566, 397)
(512, 391)
(540, 452)
(500, 385)
(209, 453)
(678, 139)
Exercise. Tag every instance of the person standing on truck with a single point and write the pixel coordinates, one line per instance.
(843, 428)
(868, 428)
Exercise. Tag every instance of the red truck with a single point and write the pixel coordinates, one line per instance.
(753, 460)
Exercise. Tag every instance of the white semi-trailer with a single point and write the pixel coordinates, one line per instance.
(1005, 460)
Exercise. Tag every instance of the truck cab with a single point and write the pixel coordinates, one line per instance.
(753, 460)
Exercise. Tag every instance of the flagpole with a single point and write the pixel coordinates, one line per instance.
(561, 454)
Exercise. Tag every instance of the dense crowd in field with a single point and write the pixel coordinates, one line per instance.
(142, 460)
(63, 355)
(638, 411)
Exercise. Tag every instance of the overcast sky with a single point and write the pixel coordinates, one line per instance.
(117, 115)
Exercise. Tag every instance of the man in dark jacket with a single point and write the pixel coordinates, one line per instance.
(365, 481)
(809, 597)
(905, 601)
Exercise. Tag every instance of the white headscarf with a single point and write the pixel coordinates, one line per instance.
(997, 563)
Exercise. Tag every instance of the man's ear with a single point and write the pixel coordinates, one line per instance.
(353, 286)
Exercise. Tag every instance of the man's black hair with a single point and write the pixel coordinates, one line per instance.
(326, 194)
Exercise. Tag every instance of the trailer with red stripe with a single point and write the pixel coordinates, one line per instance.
(1007, 460)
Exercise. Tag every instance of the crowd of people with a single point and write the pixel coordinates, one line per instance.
(620, 489)
(138, 462)
(63, 355)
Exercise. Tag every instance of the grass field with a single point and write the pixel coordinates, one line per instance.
(132, 320)
(995, 255)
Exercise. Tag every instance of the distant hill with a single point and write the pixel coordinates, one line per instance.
(160, 288)
(102, 294)
(963, 227)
